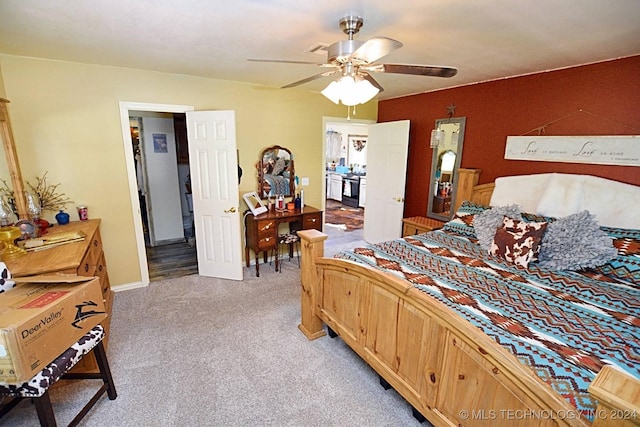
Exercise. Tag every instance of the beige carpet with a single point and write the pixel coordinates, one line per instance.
(197, 351)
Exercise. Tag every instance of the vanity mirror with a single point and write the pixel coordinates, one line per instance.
(444, 167)
(276, 173)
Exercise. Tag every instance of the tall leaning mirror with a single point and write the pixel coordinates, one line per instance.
(12, 173)
(447, 152)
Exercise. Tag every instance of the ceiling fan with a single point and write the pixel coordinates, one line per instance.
(355, 60)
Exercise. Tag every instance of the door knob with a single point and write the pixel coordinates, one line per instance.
(232, 210)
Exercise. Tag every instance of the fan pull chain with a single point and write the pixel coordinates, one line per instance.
(349, 112)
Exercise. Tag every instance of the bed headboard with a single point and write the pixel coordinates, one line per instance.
(481, 194)
(613, 203)
(468, 188)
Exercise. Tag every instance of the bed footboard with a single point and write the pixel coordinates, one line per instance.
(447, 369)
(312, 249)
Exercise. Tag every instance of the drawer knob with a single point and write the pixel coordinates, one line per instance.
(86, 268)
(313, 220)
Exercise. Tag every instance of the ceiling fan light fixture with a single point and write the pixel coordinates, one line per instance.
(333, 92)
(350, 90)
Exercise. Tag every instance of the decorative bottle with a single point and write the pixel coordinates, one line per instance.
(62, 217)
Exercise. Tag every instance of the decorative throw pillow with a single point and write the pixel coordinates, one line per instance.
(462, 221)
(626, 265)
(518, 242)
(6, 284)
(487, 222)
(279, 166)
(576, 242)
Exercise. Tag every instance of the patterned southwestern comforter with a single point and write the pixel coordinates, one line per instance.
(563, 325)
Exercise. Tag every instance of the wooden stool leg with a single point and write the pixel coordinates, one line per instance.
(45, 410)
(103, 364)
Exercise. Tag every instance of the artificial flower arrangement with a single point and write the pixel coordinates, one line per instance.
(41, 197)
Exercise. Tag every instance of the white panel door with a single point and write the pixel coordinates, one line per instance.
(214, 184)
(387, 149)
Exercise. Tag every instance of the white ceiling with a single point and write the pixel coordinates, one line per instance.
(484, 39)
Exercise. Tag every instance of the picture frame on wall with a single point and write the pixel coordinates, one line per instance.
(358, 142)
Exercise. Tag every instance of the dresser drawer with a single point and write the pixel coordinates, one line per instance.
(267, 242)
(267, 228)
(91, 258)
(312, 221)
(101, 272)
(267, 234)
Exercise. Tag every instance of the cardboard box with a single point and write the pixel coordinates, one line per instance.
(39, 321)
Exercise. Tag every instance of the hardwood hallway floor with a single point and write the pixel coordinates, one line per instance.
(174, 260)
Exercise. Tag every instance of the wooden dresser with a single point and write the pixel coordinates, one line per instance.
(84, 258)
(262, 231)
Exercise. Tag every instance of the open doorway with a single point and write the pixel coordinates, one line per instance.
(159, 143)
(345, 163)
(125, 109)
(160, 151)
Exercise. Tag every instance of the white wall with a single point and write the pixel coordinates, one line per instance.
(163, 191)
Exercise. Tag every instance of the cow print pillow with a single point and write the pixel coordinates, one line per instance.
(518, 242)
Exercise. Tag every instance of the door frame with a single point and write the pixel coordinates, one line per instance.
(125, 109)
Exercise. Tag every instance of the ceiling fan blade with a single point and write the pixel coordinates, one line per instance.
(375, 48)
(418, 70)
(373, 81)
(284, 61)
(309, 79)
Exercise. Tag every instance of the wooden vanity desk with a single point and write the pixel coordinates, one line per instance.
(84, 258)
(262, 231)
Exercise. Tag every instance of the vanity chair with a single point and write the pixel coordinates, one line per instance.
(289, 241)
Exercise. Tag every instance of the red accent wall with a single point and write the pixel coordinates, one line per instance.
(608, 94)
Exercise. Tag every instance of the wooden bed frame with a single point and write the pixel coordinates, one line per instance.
(448, 370)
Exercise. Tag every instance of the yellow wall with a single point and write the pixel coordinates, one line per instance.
(4, 173)
(66, 120)
(2, 91)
